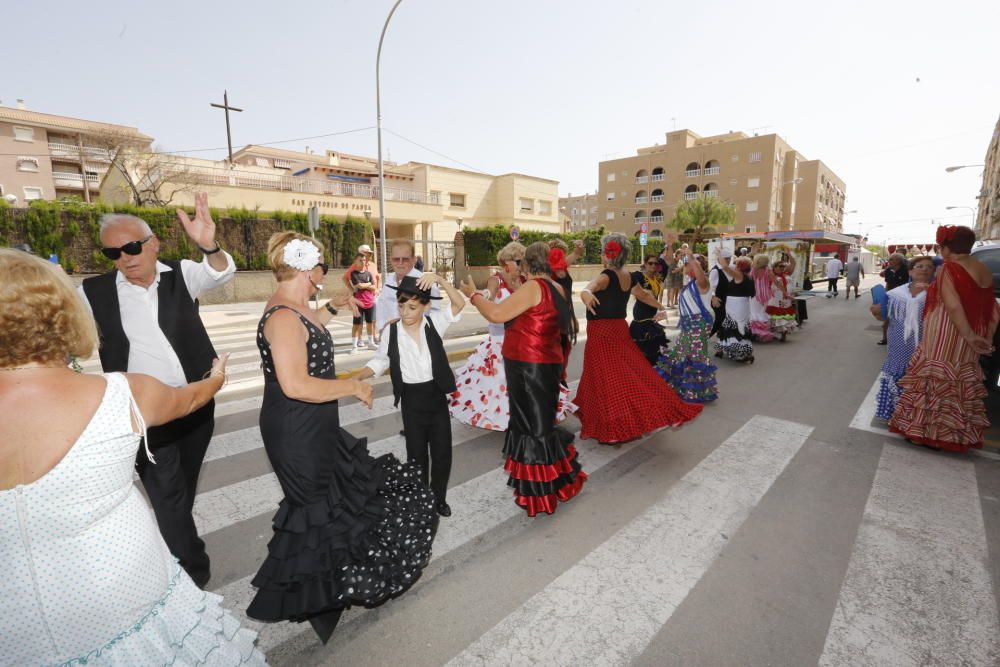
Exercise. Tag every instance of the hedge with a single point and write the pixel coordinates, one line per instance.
(483, 243)
(70, 230)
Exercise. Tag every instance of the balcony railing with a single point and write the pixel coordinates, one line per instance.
(655, 218)
(641, 219)
(72, 151)
(712, 171)
(245, 179)
(642, 179)
(63, 179)
(692, 172)
(690, 195)
(656, 177)
(656, 198)
(641, 200)
(711, 193)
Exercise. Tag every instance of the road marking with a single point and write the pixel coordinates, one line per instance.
(862, 420)
(917, 589)
(608, 607)
(479, 504)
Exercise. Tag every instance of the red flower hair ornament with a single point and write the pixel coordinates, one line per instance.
(945, 233)
(612, 249)
(557, 259)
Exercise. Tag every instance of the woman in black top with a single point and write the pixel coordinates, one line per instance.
(645, 329)
(896, 275)
(620, 397)
(560, 272)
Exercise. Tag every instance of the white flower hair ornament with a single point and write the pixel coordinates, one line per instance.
(301, 255)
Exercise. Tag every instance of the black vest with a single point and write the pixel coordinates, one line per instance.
(443, 375)
(177, 314)
(722, 289)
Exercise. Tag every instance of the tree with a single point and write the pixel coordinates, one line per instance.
(147, 175)
(694, 216)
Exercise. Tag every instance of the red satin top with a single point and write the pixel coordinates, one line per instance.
(534, 335)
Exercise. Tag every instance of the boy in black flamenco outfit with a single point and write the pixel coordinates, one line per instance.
(412, 349)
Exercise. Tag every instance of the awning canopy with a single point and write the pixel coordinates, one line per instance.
(815, 235)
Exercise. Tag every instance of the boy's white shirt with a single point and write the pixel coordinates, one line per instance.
(414, 358)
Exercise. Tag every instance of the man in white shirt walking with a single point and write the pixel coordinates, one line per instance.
(147, 316)
(833, 269)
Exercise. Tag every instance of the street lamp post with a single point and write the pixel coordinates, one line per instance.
(962, 166)
(378, 130)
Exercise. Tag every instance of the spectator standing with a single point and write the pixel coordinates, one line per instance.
(896, 274)
(853, 273)
(363, 285)
(401, 258)
(833, 269)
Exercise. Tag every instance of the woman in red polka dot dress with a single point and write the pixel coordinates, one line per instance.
(621, 397)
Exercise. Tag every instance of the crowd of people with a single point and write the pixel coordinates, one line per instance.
(353, 529)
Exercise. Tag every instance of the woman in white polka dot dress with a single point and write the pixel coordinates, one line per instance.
(87, 576)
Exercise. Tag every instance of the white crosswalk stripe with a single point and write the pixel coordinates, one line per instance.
(918, 587)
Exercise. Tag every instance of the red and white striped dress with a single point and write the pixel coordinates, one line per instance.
(941, 404)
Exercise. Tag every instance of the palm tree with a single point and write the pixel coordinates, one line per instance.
(694, 216)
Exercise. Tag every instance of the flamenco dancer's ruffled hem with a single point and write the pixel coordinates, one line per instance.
(761, 331)
(888, 395)
(543, 471)
(694, 381)
(940, 406)
(548, 503)
(783, 324)
(187, 626)
(365, 542)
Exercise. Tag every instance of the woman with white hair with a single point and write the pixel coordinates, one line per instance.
(621, 397)
(481, 397)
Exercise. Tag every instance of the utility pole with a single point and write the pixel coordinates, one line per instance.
(229, 137)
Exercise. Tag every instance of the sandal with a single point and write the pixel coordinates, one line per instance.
(882, 342)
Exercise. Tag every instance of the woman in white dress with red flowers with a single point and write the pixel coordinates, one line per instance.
(480, 399)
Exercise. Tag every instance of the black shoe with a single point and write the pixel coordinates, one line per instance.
(402, 433)
(200, 579)
(324, 624)
(443, 508)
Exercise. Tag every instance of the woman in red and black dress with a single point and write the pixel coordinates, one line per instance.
(541, 458)
(620, 397)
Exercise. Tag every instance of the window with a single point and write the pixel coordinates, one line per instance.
(754, 157)
(262, 161)
(752, 205)
(750, 229)
(27, 164)
(611, 196)
(611, 177)
(527, 205)
(32, 193)
(456, 200)
(593, 209)
(544, 207)
(24, 133)
(610, 215)
(574, 211)
(753, 182)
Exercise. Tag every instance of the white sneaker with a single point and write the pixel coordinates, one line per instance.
(372, 345)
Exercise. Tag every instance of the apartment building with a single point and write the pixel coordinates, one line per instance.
(45, 156)
(770, 184)
(988, 212)
(580, 210)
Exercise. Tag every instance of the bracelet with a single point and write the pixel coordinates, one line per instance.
(586, 291)
(211, 252)
(330, 308)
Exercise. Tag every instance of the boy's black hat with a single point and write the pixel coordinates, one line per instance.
(408, 285)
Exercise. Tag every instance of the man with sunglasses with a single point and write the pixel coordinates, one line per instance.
(147, 316)
(401, 258)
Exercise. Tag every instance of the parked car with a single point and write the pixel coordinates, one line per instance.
(989, 254)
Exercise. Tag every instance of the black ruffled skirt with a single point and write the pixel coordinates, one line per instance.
(650, 338)
(352, 529)
(541, 459)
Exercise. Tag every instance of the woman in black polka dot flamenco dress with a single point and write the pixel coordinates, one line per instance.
(352, 529)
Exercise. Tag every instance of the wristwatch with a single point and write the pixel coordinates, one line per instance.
(330, 308)
(211, 252)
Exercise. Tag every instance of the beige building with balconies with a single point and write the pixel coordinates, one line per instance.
(44, 156)
(988, 211)
(425, 202)
(771, 185)
(581, 210)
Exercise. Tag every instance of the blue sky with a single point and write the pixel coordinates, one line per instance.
(886, 93)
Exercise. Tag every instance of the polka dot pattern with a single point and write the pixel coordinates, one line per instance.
(84, 561)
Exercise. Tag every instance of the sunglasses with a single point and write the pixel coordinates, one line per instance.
(399, 260)
(130, 248)
(651, 263)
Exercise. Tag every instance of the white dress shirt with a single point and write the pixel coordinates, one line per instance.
(414, 356)
(833, 268)
(713, 279)
(386, 306)
(149, 350)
